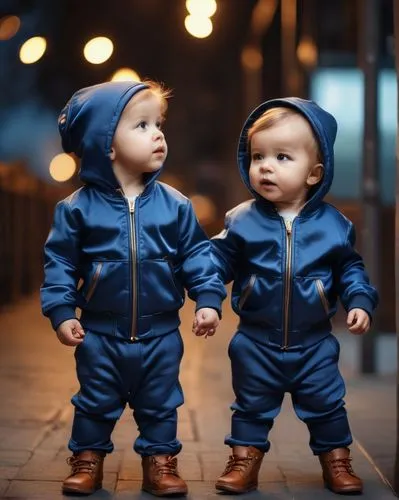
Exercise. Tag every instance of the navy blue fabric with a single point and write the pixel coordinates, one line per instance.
(90, 241)
(144, 375)
(310, 375)
(251, 252)
(285, 305)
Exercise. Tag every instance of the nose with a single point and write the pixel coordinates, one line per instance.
(266, 167)
(157, 134)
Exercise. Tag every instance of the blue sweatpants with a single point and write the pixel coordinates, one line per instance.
(262, 374)
(144, 374)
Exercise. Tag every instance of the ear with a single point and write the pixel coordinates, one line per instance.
(112, 154)
(315, 175)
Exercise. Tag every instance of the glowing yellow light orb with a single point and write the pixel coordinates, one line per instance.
(125, 74)
(62, 167)
(32, 50)
(197, 26)
(98, 50)
(202, 8)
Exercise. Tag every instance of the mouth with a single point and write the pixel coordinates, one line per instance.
(160, 150)
(267, 183)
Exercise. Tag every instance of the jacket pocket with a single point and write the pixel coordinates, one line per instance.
(160, 290)
(322, 295)
(93, 282)
(247, 291)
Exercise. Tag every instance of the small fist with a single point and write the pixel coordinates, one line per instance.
(358, 321)
(70, 332)
(205, 322)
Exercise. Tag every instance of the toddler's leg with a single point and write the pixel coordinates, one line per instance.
(259, 389)
(98, 405)
(155, 406)
(318, 401)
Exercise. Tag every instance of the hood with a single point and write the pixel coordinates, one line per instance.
(324, 127)
(87, 125)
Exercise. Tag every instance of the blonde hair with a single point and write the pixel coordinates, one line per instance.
(276, 115)
(158, 90)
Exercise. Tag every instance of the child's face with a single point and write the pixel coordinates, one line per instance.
(284, 163)
(139, 145)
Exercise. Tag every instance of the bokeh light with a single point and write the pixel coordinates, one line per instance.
(204, 208)
(32, 50)
(9, 26)
(125, 74)
(198, 26)
(62, 167)
(98, 50)
(201, 8)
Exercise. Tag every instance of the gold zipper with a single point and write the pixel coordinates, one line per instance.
(287, 284)
(134, 270)
(322, 294)
(247, 290)
(94, 281)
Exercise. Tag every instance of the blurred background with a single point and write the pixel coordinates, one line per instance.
(220, 58)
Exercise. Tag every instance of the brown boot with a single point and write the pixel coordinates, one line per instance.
(242, 469)
(86, 472)
(161, 477)
(338, 474)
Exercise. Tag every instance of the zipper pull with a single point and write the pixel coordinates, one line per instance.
(288, 226)
(131, 206)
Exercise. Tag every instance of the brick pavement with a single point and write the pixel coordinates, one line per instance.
(37, 379)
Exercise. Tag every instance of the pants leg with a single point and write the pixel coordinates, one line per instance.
(317, 397)
(258, 385)
(102, 396)
(158, 396)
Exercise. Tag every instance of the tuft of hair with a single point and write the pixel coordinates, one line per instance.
(159, 90)
(276, 115)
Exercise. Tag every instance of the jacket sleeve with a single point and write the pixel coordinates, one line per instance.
(61, 262)
(354, 287)
(225, 252)
(200, 277)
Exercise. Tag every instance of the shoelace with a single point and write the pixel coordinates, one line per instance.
(79, 465)
(168, 467)
(237, 463)
(342, 465)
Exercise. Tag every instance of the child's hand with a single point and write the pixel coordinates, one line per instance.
(205, 322)
(358, 321)
(70, 332)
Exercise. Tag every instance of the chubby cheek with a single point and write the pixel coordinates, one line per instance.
(253, 177)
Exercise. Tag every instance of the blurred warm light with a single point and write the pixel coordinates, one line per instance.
(172, 180)
(251, 58)
(202, 8)
(98, 50)
(32, 50)
(198, 26)
(307, 52)
(9, 26)
(62, 167)
(125, 74)
(204, 208)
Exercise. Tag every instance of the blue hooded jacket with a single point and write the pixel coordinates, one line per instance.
(286, 282)
(126, 270)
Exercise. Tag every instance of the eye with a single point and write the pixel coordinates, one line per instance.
(142, 124)
(282, 157)
(257, 156)
(159, 124)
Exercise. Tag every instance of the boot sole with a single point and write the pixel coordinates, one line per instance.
(166, 493)
(76, 491)
(344, 491)
(231, 489)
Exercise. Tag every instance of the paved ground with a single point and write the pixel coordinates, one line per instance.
(37, 379)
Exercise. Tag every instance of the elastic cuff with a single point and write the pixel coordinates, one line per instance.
(61, 313)
(362, 302)
(211, 300)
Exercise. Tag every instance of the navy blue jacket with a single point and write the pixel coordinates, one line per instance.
(126, 270)
(286, 282)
